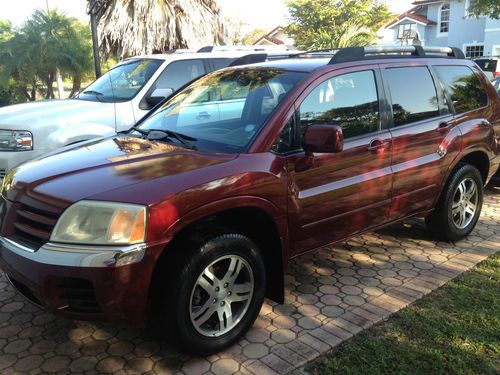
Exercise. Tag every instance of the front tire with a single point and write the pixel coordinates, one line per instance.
(459, 206)
(217, 292)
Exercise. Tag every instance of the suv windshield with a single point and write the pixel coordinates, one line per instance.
(224, 110)
(127, 80)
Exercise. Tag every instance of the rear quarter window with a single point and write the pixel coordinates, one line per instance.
(465, 90)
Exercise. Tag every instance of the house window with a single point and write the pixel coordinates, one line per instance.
(468, 4)
(444, 18)
(474, 51)
(407, 31)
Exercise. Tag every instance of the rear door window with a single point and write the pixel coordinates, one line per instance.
(413, 93)
(465, 90)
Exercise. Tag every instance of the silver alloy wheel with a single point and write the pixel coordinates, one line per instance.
(465, 202)
(221, 295)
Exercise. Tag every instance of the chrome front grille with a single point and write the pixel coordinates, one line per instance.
(33, 227)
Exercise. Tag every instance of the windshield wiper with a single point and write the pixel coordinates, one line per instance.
(159, 134)
(96, 94)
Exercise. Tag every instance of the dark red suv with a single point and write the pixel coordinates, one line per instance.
(194, 214)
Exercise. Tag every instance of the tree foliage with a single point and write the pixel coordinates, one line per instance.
(5, 30)
(47, 42)
(490, 8)
(319, 24)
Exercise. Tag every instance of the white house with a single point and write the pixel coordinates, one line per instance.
(446, 23)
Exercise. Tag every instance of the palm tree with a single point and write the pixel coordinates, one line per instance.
(346, 35)
(48, 42)
(137, 27)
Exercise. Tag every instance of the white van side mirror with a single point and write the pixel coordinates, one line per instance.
(158, 95)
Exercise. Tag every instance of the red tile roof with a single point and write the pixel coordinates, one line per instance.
(412, 16)
(270, 38)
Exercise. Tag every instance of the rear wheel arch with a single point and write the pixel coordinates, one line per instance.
(478, 159)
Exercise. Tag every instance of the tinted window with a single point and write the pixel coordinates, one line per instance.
(178, 73)
(464, 87)
(487, 65)
(349, 100)
(414, 96)
(221, 63)
(284, 143)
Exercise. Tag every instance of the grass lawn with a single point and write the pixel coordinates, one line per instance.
(453, 330)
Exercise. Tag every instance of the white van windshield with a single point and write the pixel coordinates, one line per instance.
(121, 83)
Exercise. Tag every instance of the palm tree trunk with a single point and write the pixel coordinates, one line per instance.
(60, 87)
(49, 94)
(48, 79)
(77, 85)
(32, 97)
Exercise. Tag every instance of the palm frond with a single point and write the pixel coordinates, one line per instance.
(138, 27)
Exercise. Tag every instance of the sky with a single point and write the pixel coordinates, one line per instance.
(265, 14)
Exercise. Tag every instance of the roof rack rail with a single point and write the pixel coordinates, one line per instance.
(361, 53)
(279, 48)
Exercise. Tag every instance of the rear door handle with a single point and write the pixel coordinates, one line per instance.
(378, 145)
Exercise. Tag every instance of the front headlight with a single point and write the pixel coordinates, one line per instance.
(16, 140)
(101, 223)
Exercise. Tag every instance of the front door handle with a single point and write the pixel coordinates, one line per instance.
(443, 126)
(378, 145)
(203, 116)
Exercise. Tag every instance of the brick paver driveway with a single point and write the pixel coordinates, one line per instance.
(331, 294)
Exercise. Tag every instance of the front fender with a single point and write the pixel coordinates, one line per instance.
(277, 262)
(174, 224)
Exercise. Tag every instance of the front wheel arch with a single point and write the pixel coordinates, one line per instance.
(251, 221)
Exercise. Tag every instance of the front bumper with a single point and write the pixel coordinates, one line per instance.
(80, 285)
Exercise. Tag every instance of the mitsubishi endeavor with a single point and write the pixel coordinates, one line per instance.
(192, 216)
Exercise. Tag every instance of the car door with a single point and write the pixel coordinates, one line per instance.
(332, 196)
(420, 122)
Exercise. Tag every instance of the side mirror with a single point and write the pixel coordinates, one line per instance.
(323, 138)
(158, 95)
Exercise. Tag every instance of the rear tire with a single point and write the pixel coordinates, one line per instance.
(459, 206)
(215, 293)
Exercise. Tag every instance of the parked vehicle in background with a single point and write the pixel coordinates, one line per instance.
(112, 103)
(195, 221)
(489, 66)
(496, 84)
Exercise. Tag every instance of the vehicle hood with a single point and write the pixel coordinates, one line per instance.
(28, 116)
(106, 167)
